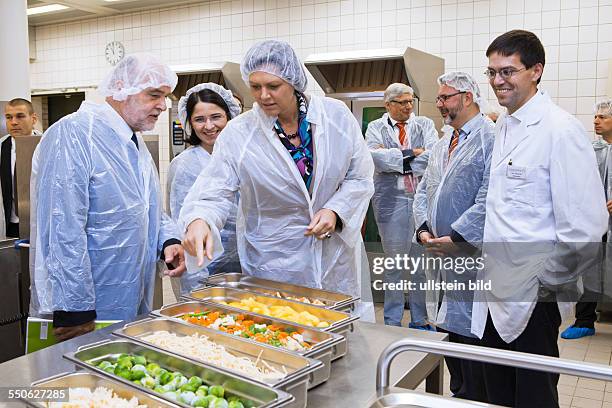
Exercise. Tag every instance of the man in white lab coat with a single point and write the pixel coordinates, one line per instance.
(545, 204)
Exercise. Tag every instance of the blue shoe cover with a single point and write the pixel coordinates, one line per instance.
(573, 332)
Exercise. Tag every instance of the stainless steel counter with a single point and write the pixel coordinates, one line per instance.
(352, 382)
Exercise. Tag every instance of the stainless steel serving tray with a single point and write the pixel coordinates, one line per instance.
(332, 300)
(298, 368)
(400, 397)
(260, 395)
(340, 322)
(325, 346)
(92, 381)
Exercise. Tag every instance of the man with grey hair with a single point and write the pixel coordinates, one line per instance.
(586, 309)
(97, 226)
(449, 208)
(399, 143)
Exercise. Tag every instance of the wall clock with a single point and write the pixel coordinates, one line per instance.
(114, 52)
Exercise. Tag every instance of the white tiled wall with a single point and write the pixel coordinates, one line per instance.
(577, 35)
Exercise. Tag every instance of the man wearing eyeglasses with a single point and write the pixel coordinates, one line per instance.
(545, 204)
(449, 206)
(399, 143)
(586, 314)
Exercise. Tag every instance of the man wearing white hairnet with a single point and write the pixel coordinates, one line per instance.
(586, 309)
(98, 227)
(399, 143)
(305, 180)
(449, 208)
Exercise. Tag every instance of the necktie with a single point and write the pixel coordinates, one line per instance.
(402, 132)
(135, 140)
(133, 156)
(454, 142)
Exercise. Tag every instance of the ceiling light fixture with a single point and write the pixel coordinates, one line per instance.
(46, 9)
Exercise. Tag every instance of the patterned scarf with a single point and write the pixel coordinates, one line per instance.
(302, 154)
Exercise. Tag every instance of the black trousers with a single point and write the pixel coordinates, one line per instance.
(466, 377)
(515, 387)
(585, 314)
(12, 230)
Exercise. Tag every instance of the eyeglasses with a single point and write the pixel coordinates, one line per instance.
(403, 104)
(504, 73)
(443, 98)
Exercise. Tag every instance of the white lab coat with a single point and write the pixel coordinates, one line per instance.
(275, 206)
(555, 196)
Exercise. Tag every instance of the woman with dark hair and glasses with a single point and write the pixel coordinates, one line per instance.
(304, 174)
(203, 112)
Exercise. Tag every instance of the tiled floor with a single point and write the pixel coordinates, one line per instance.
(574, 392)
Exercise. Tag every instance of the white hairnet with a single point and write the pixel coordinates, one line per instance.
(134, 74)
(276, 58)
(464, 82)
(604, 107)
(225, 94)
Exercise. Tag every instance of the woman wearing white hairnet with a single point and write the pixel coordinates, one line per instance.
(304, 175)
(204, 111)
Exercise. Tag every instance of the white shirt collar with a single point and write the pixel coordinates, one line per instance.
(394, 122)
(530, 112)
(117, 123)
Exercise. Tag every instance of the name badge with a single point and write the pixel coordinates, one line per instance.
(516, 172)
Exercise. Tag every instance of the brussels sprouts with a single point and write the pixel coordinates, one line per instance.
(202, 391)
(195, 380)
(171, 395)
(188, 387)
(147, 382)
(110, 369)
(104, 365)
(186, 397)
(235, 404)
(165, 378)
(153, 369)
(180, 380)
(123, 373)
(169, 387)
(217, 391)
(159, 389)
(137, 375)
(218, 403)
(125, 363)
(200, 401)
(140, 360)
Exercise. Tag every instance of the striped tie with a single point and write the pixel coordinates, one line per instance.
(453, 143)
(402, 132)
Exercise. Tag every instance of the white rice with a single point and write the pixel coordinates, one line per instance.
(201, 348)
(101, 398)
